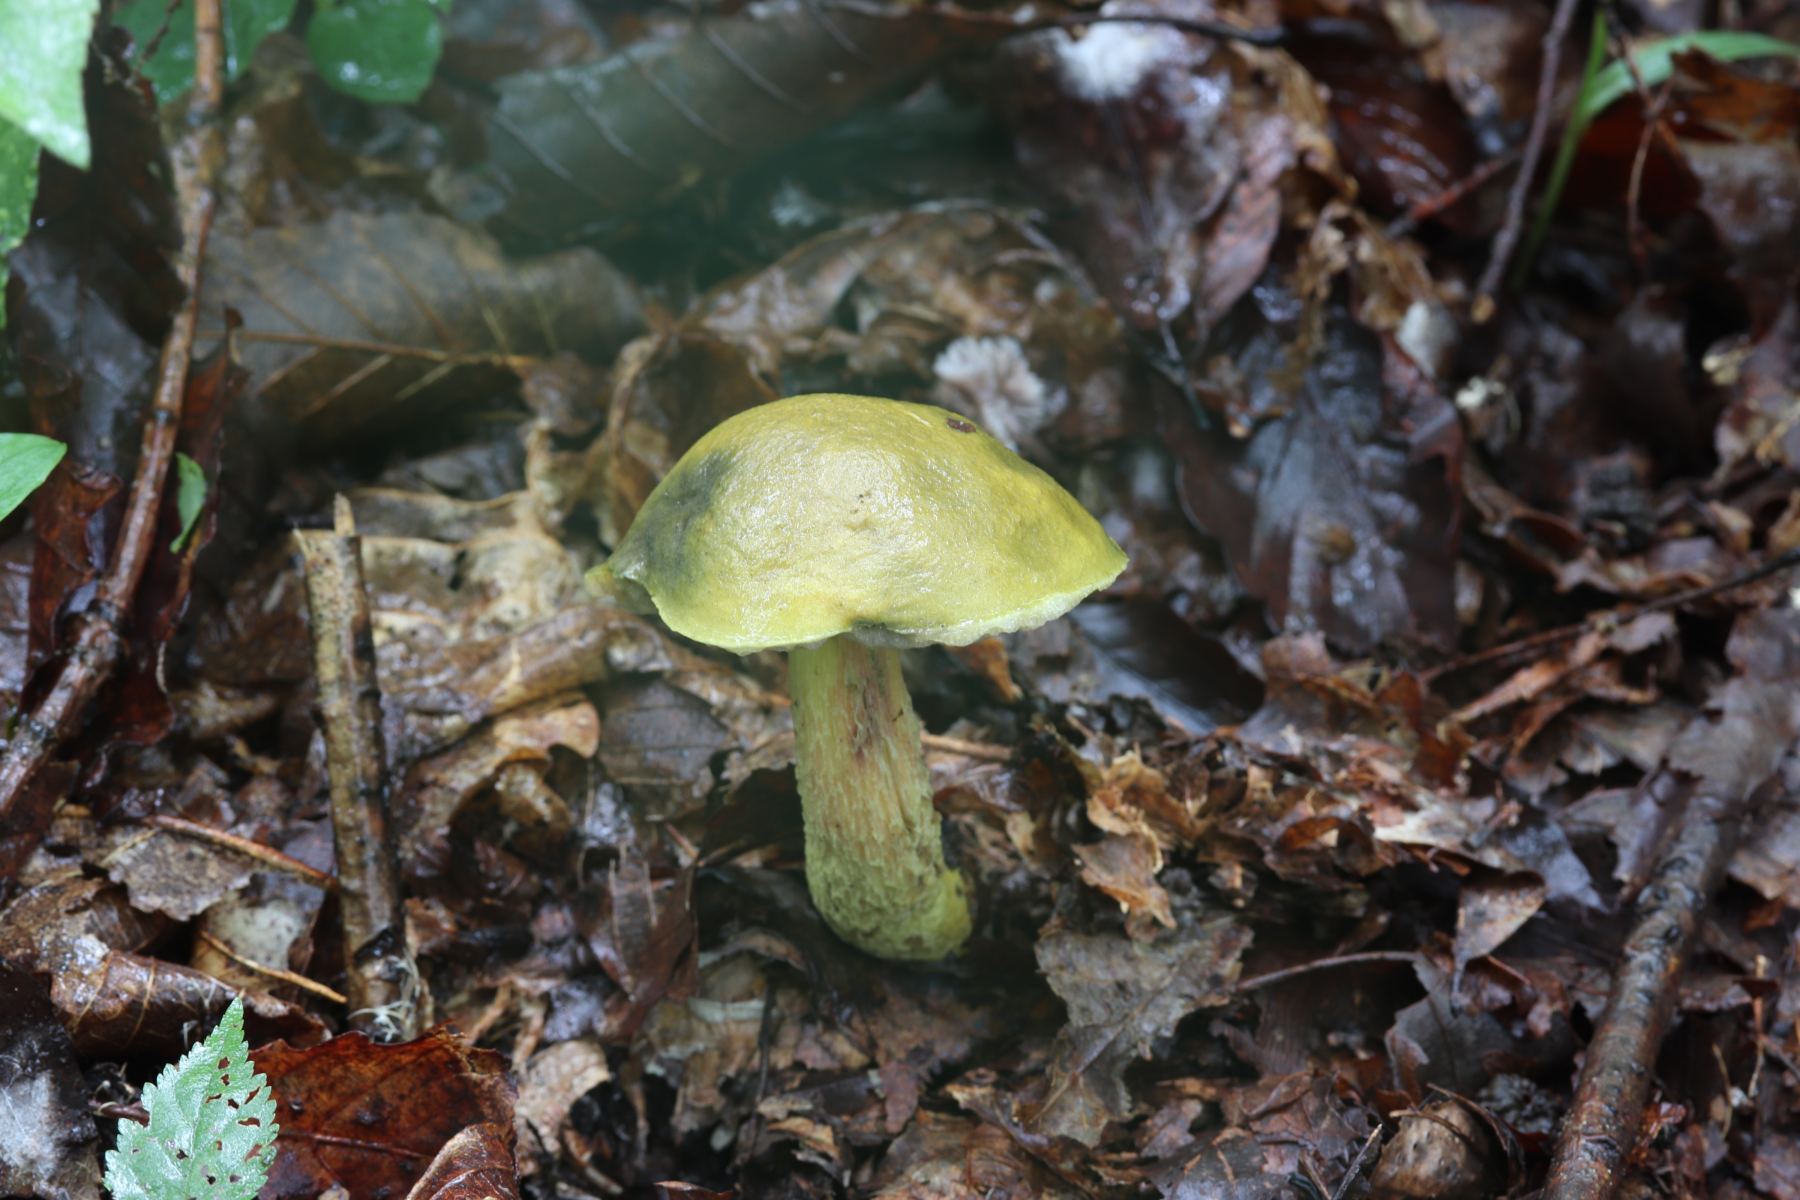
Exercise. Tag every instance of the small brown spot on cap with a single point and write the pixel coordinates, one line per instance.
(960, 425)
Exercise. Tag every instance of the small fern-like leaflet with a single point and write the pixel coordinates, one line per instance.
(212, 1126)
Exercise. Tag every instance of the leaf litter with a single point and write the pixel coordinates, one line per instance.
(1305, 858)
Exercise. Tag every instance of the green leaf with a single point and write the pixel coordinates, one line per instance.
(171, 69)
(43, 49)
(212, 1126)
(1565, 157)
(18, 187)
(1601, 88)
(26, 460)
(190, 497)
(1656, 61)
(382, 51)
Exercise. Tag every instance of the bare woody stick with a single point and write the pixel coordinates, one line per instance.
(1602, 1125)
(383, 981)
(97, 640)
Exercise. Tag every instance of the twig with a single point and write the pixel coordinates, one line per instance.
(1634, 233)
(268, 856)
(1602, 1126)
(149, 49)
(96, 642)
(1508, 238)
(393, 349)
(121, 1112)
(983, 750)
(381, 975)
(1273, 36)
(285, 976)
(1368, 1146)
(1431, 206)
(1319, 964)
(1622, 615)
(1653, 127)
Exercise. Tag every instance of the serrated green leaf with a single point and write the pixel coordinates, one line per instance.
(382, 51)
(26, 460)
(43, 49)
(212, 1126)
(18, 187)
(1656, 61)
(190, 497)
(171, 69)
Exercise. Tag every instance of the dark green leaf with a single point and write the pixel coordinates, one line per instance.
(190, 497)
(43, 48)
(26, 460)
(382, 51)
(171, 69)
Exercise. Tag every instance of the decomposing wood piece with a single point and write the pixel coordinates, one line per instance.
(96, 641)
(1602, 1126)
(383, 980)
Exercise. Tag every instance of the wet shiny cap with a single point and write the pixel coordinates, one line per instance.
(899, 524)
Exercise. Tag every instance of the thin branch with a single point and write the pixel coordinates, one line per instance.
(982, 750)
(1431, 206)
(1601, 1129)
(393, 349)
(268, 856)
(1319, 964)
(1550, 637)
(1653, 126)
(1508, 237)
(96, 642)
(1355, 1170)
(276, 973)
(382, 976)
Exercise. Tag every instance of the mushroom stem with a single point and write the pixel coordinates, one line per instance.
(874, 849)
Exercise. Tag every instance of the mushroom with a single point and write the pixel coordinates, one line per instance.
(844, 529)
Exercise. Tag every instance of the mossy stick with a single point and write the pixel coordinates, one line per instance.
(381, 978)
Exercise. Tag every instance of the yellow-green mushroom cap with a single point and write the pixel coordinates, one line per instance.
(899, 524)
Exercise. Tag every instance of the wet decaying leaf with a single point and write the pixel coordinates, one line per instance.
(1492, 910)
(476, 1164)
(1341, 510)
(88, 943)
(1123, 996)
(48, 1144)
(359, 322)
(1169, 148)
(578, 147)
(371, 1119)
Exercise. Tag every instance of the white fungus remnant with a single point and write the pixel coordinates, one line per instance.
(1111, 61)
(994, 376)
